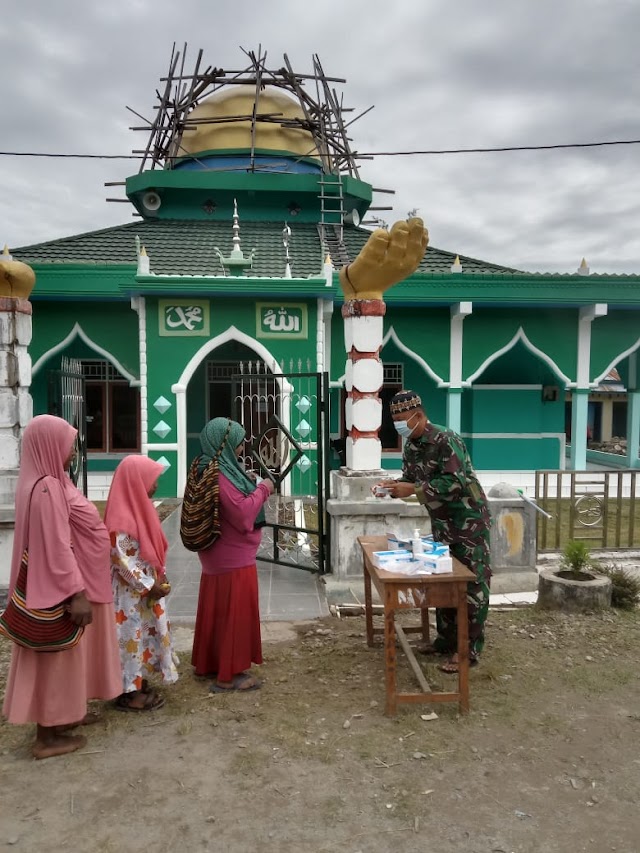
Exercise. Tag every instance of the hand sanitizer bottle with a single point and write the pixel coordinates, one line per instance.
(416, 543)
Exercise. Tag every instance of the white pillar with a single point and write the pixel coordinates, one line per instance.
(459, 311)
(363, 326)
(580, 395)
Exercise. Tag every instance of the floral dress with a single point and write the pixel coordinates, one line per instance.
(144, 632)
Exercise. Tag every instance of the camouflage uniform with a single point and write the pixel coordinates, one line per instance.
(446, 484)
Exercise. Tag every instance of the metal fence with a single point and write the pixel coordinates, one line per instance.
(600, 507)
(66, 399)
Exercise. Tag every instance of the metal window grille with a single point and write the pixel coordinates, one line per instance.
(393, 374)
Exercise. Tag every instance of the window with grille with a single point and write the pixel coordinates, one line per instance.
(113, 409)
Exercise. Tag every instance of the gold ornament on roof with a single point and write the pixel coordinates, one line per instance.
(16, 279)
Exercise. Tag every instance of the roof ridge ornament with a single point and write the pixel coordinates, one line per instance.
(583, 269)
(456, 266)
(237, 261)
(286, 236)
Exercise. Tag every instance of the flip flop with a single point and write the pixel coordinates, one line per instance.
(152, 701)
(431, 651)
(234, 687)
(451, 667)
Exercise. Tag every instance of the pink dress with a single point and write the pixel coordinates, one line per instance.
(227, 633)
(53, 688)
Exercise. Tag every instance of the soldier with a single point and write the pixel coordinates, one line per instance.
(437, 469)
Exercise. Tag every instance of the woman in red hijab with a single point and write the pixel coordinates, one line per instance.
(68, 548)
(138, 556)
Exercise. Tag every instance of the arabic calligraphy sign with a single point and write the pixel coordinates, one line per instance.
(281, 320)
(183, 317)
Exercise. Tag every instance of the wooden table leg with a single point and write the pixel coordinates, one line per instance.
(389, 659)
(368, 614)
(424, 614)
(463, 648)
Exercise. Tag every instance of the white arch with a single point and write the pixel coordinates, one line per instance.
(519, 336)
(179, 388)
(392, 336)
(615, 361)
(79, 332)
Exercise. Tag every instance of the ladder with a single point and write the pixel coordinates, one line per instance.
(332, 212)
(331, 202)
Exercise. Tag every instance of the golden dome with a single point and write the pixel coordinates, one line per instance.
(239, 101)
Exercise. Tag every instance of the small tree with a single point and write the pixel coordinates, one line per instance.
(576, 559)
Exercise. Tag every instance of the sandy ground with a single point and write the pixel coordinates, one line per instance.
(547, 760)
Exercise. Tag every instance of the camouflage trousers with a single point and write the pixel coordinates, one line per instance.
(475, 555)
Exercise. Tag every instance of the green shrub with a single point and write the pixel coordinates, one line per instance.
(576, 557)
(625, 588)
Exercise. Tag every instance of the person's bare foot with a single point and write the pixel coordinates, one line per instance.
(89, 719)
(49, 743)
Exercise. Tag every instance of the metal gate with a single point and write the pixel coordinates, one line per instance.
(66, 399)
(286, 418)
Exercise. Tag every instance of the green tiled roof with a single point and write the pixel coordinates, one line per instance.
(186, 247)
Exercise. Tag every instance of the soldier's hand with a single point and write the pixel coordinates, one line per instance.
(401, 490)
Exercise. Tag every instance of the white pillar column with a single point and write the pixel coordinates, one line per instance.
(16, 407)
(580, 395)
(363, 326)
(459, 311)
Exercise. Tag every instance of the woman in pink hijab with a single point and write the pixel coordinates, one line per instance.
(138, 556)
(68, 548)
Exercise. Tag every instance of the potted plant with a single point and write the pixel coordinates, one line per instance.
(576, 584)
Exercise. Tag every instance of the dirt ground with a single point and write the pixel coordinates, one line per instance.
(547, 760)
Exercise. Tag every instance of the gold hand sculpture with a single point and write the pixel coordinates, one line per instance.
(386, 258)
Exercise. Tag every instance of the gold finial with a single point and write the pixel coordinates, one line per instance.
(5, 251)
(143, 251)
(457, 260)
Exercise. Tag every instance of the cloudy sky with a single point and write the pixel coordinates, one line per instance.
(441, 73)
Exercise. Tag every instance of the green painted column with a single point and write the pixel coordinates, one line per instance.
(633, 428)
(454, 409)
(579, 421)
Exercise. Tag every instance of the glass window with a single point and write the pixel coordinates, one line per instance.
(113, 409)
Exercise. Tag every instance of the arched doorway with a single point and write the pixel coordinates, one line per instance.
(232, 382)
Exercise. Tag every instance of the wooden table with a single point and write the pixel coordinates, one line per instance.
(401, 592)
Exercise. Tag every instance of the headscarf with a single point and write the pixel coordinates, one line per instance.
(68, 518)
(404, 401)
(130, 510)
(219, 440)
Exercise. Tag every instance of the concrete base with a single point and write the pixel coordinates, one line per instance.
(504, 582)
(574, 596)
(355, 512)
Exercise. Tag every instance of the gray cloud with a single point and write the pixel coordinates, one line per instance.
(441, 75)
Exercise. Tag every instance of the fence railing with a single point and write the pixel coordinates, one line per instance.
(599, 507)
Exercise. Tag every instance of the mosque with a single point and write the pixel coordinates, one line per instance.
(248, 201)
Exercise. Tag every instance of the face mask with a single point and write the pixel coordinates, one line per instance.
(403, 429)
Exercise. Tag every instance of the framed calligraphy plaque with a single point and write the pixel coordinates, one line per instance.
(183, 317)
(281, 320)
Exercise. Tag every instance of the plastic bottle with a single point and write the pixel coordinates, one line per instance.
(416, 543)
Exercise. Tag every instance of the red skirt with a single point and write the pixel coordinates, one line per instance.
(227, 635)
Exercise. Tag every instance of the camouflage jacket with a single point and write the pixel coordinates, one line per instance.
(446, 484)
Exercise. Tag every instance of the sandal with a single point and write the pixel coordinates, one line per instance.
(431, 650)
(451, 667)
(151, 702)
(236, 685)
